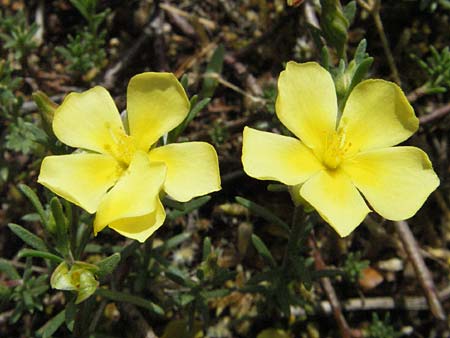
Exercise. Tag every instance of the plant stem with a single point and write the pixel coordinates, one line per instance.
(387, 50)
(417, 93)
(297, 225)
(73, 227)
(422, 272)
(373, 7)
(437, 114)
(78, 327)
(330, 292)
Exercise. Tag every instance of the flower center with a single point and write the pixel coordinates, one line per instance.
(124, 147)
(335, 149)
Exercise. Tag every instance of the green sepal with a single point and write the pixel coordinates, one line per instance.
(46, 109)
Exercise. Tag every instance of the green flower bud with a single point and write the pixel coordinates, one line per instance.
(79, 278)
(46, 109)
(334, 25)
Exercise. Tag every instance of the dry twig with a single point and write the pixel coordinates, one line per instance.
(152, 29)
(437, 114)
(409, 303)
(422, 272)
(373, 7)
(330, 292)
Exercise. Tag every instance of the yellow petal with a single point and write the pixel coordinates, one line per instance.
(82, 179)
(156, 103)
(268, 156)
(336, 199)
(88, 120)
(377, 115)
(192, 169)
(306, 103)
(142, 227)
(134, 194)
(395, 181)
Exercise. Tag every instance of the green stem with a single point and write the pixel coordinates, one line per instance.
(191, 317)
(78, 326)
(297, 225)
(73, 226)
(141, 279)
(385, 43)
(83, 241)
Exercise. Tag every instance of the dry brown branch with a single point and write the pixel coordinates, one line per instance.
(437, 114)
(330, 292)
(152, 29)
(194, 59)
(423, 274)
(373, 7)
(242, 72)
(409, 303)
(205, 22)
(417, 93)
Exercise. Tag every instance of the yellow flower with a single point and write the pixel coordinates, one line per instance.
(337, 160)
(122, 173)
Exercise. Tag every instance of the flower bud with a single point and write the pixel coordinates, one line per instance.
(79, 278)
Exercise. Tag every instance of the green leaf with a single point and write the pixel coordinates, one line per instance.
(28, 237)
(84, 8)
(31, 195)
(196, 107)
(71, 311)
(325, 57)
(185, 299)
(8, 269)
(27, 271)
(219, 293)
(107, 265)
(129, 249)
(435, 90)
(176, 240)
(206, 248)
(276, 187)
(39, 254)
(360, 53)
(52, 325)
(127, 298)
(46, 108)
(349, 11)
(168, 202)
(178, 276)
(61, 223)
(334, 25)
(360, 73)
(215, 66)
(184, 81)
(189, 207)
(263, 250)
(263, 212)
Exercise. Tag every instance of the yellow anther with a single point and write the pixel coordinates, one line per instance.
(124, 146)
(335, 149)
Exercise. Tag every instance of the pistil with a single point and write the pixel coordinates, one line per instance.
(335, 149)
